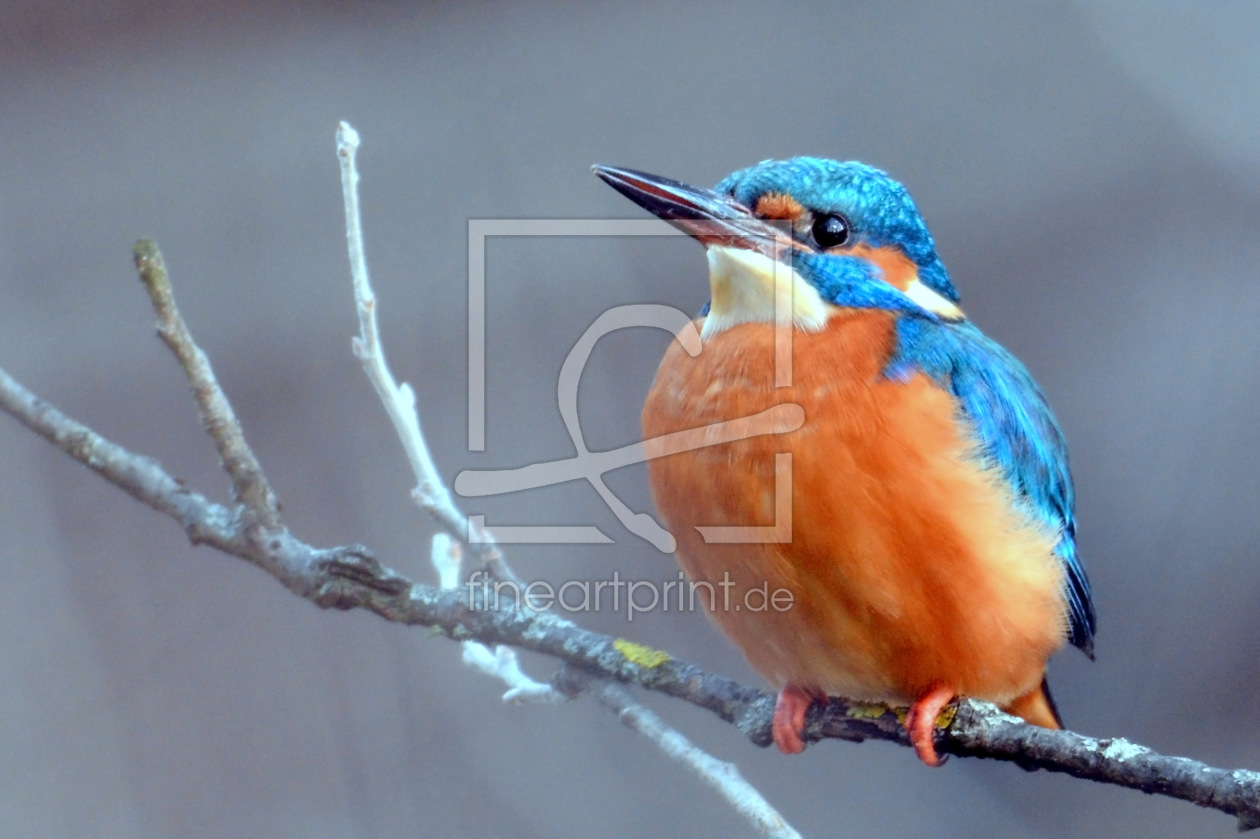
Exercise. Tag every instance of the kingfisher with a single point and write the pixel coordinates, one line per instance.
(932, 550)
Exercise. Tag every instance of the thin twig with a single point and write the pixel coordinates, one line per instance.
(249, 485)
(430, 492)
(501, 662)
(723, 776)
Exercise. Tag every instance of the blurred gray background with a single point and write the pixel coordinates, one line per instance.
(1092, 178)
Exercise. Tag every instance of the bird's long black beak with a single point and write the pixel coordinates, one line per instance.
(710, 217)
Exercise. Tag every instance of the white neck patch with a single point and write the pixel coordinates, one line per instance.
(933, 301)
(749, 287)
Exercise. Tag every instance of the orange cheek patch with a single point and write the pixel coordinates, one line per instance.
(898, 270)
(779, 205)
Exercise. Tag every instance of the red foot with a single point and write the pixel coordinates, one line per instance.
(789, 717)
(921, 722)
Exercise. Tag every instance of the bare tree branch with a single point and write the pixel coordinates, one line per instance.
(349, 577)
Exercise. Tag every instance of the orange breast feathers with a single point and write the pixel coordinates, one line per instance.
(909, 563)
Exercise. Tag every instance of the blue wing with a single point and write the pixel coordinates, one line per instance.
(1016, 430)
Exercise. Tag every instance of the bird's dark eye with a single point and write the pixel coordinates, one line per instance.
(830, 231)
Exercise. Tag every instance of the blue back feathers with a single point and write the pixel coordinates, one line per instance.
(1016, 432)
(1014, 427)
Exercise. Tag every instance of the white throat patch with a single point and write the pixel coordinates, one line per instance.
(749, 287)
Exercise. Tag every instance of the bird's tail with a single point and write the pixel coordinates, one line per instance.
(1037, 707)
